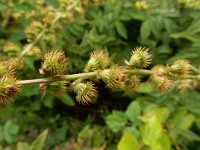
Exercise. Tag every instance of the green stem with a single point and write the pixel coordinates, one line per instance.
(78, 76)
(40, 35)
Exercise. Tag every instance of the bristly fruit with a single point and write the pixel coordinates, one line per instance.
(9, 89)
(98, 60)
(113, 77)
(140, 58)
(55, 88)
(162, 83)
(5, 68)
(180, 67)
(54, 63)
(131, 84)
(86, 92)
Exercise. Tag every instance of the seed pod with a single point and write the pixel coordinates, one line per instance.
(86, 92)
(55, 88)
(9, 89)
(113, 77)
(162, 83)
(187, 84)
(98, 60)
(5, 68)
(160, 69)
(54, 63)
(180, 67)
(35, 52)
(11, 47)
(131, 84)
(33, 30)
(140, 58)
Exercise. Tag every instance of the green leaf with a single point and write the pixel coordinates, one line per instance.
(116, 121)
(128, 142)
(191, 136)
(10, 131)
(133, 111)
(121, 29)
(145, 88)
(22, 146)
(38, 143)
(67, 99)
(145, 30)
(187, 35)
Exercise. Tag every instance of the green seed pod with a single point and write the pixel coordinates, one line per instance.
(55, 88)
(5, 68)
(33, 30)
(9, 89)
(54, 63)
(160, 69)
(180, 67)
(35, 52)
(86, 92)
(140, 58)
(98, 60)
(131, 84)
(11, 47)
(187, 84)
(113, 77)
(162, 83)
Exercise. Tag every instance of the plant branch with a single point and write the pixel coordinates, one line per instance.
(40, 35)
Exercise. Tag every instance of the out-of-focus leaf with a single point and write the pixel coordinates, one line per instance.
(121, 29)
(133, 111)
(22, 146)
(38, 143)
(128, 142)
(116, 121)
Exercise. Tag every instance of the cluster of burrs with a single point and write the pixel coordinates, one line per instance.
(99, 67)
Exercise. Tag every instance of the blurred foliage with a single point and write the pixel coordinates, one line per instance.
(145, 120)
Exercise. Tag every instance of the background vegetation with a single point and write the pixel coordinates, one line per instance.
(143, 120)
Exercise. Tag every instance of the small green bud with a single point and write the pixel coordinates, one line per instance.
(113, 77)
(86, 92)
(54, 63)
(34, 52)
(9, 89)
(11, 47)
(5, 68)
(55, 88)
(131, 84)
(98, 60)
(180, 67)
(160, 69)
(140, 58)
(33, 30)
(187, 84)
(162, 83)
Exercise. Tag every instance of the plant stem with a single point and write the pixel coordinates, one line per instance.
(77, 76)
(40, 35)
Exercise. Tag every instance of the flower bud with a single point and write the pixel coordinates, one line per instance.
(140, 58)
(55, 88)
(162, 83)
(187, 84)
(131, 84)
(86, 92)
(9, 89)
(17, 63)
(34, 52)
(98, 60)
(11, 47)
(54, 63)
(160, 69)
(5, 68)
(180, 67)
(33, 30)
(113, 77)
